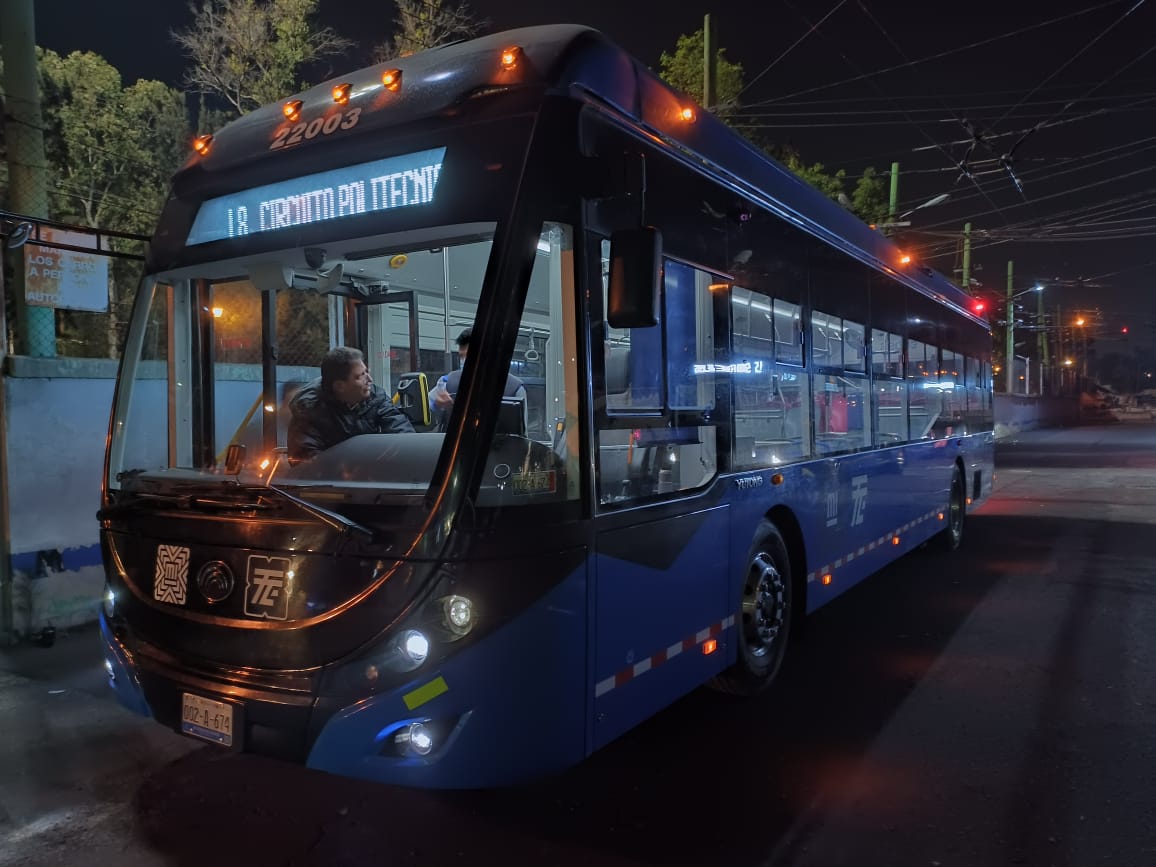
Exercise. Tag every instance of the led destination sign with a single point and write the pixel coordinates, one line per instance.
(381, 185)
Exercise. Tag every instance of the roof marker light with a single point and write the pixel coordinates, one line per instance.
(202, 142)
(292, 109)
(511, 56)
(391, 79)
(341, 93)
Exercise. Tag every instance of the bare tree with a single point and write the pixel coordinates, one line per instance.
(423, 24)
(249, 52)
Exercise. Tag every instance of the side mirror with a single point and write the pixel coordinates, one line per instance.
(412, 398)
(635, 278)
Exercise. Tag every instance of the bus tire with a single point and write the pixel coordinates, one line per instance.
(763, 619)
(950, 537)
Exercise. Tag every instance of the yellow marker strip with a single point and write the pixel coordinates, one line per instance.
(425, 693)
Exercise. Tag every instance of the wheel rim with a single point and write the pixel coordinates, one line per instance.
(955, 508)
(764, 605)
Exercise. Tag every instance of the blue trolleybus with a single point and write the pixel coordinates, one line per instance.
(737, 402)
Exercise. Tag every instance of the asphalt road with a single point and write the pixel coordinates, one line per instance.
(993, 707)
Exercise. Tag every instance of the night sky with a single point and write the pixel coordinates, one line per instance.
(1078, 69)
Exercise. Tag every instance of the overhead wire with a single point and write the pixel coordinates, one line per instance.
(813, 28)
(898, 50)
(940, 55)
(1073, 58)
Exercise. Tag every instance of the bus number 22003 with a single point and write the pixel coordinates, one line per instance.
(326, 125)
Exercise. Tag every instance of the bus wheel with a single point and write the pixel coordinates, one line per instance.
(763, 622)
(951, 535)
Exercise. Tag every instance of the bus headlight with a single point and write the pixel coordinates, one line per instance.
(458, 614)
(414, 647)
(405, 653)
(108, 602)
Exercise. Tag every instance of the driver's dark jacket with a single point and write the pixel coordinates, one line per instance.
(319, 422)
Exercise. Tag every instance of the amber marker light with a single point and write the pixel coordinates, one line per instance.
(894, 540)
(391, 79)
(511, 56)
(826, 579)
(709, 646)
(905, 259)
(941, 516)
(292, 109)
(341, 93)
(777, 479)
(687, 114)
(202, 142)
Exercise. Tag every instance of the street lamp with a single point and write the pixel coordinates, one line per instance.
(1009, 351)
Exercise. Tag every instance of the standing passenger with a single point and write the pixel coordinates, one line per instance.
(441, 396)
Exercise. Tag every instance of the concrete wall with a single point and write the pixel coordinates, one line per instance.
(56, 423)
(1016, 412)
(56, 414)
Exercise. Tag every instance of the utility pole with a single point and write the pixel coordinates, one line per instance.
(709, 65)
(27, 167)
(894, 201)
(966, 278)
(1043, 341)
(1009, 352)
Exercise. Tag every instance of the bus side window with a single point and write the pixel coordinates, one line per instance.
(656, 456)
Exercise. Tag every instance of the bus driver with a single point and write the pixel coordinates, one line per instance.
(343, 402)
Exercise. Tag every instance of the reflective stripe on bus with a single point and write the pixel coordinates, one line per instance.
(656, 659)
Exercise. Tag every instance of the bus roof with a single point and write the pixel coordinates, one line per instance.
(584, 64)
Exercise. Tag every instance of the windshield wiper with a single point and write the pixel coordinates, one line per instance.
(346, 526)
(203, 497)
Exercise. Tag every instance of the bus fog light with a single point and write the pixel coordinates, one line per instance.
(459, 614)
(417, 738)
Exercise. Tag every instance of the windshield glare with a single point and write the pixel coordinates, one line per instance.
(405, 308)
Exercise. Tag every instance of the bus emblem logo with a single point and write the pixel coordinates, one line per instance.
(172, 576)
(858, 499)
(265, 592)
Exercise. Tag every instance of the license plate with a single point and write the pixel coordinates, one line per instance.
(204, 718)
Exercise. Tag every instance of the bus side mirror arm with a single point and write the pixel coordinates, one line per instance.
(635, 278)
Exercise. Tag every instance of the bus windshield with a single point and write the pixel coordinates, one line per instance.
(223, 355)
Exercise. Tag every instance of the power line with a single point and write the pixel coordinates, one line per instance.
(1073, 58)
(791, 47)
(940, 55)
